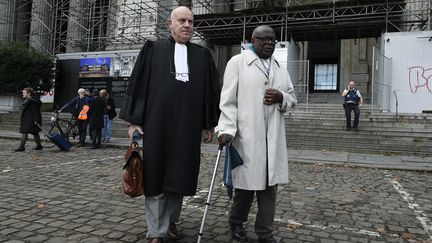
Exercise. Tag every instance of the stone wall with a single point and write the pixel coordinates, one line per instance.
(356, 63)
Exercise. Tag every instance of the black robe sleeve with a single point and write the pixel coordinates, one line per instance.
(134, 104)
(211, 94)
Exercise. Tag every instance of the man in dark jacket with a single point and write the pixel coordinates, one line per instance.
(30, 115)
(74, 106)
(109, 115)
(96, 121)
(172, 99)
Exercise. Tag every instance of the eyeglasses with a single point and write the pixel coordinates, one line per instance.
(184, 75)
(266, 39)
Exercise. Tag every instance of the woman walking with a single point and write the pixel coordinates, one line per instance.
(30, 115)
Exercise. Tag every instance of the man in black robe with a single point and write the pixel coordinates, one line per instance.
(172, 99)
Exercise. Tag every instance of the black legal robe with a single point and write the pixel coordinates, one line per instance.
(172, 114)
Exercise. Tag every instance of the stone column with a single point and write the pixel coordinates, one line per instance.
(42, 25)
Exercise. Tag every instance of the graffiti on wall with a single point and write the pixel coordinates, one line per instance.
(420, 78)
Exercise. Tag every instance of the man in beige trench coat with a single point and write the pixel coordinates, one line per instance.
(256, 93)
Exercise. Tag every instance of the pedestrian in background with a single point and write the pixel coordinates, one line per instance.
(96, 120)
(109, 115)
(93, 96)
(75, 106)
(30, 115)
(256, 93)
(172, 99)
(353, 99)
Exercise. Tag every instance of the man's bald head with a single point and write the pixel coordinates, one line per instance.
(181, 24)
(178, 10)
(264, 41)
(260, 30)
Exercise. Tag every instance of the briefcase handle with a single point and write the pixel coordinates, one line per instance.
(136, 137)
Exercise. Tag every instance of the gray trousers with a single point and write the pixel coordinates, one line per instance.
(266, 201)
(161, 210)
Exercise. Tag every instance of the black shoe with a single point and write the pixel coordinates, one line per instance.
(267, 240)
(38, 147)
(19, 149)
(173, 232)
(238, 233)
(155, 240)
(348, 128)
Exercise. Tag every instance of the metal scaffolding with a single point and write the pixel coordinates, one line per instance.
(59, 26)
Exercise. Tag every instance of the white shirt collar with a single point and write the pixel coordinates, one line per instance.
(181, 62)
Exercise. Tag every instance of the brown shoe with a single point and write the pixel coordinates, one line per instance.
(155, 240)
(173, 232)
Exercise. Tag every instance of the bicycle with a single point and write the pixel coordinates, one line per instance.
(57, 124)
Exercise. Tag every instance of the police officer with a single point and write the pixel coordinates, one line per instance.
(353, 99)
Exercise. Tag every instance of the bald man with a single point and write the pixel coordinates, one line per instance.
(172, 99)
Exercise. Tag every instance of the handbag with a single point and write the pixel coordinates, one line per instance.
(133, 177)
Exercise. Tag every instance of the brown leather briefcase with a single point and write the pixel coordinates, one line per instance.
(133, 177)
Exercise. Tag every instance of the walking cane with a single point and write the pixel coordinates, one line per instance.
(200, 234)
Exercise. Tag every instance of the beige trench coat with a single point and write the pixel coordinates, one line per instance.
(258, 129)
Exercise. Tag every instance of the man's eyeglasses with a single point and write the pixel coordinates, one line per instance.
(184, 75)
(266, 39)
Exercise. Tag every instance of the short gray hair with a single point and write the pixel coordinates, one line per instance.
(81, 91)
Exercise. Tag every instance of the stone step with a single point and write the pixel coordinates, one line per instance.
(363, 115)
(363, 120)
(364, 126)
(424, 147)
(354, 149)
(361, 133)
(369, 144)
(353, 138)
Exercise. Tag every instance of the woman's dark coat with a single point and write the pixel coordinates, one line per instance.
(111, 112)
(30, 114)
(96, 113)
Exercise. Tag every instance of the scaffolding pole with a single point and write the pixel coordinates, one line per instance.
(96, 25)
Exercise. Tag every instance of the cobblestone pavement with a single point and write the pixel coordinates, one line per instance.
(76, 196)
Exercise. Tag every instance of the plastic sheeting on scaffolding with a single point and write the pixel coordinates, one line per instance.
(411, 71)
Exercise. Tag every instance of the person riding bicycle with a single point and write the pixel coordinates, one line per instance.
(75, 106)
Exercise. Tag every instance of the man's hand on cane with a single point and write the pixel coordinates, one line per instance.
(225, 139)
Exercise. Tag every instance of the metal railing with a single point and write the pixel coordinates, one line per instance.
(299, 73)
(381, 81)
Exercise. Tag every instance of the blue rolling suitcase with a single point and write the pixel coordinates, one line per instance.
(57, 139)
(60, 141)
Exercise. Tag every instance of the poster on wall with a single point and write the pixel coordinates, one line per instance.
(95, 67)
(48, 97)
(123, 66)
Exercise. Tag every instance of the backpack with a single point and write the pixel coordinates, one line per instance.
(83, 113)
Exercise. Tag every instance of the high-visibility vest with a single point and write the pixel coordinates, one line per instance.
(83, 113)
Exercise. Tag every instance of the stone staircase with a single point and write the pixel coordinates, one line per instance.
(323, 98)
(319, 98)
(322, 127)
